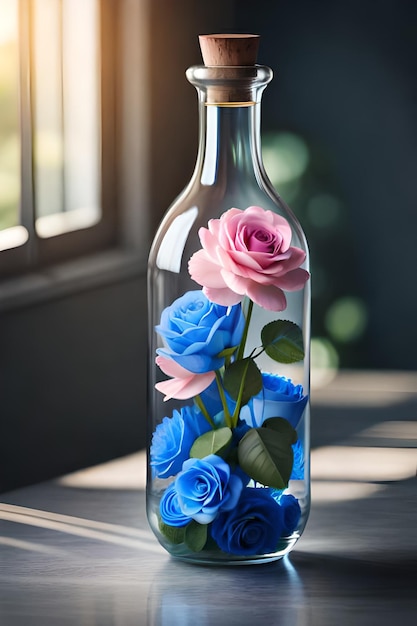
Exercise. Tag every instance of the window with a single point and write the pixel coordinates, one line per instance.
(9, 126)
(56, 131)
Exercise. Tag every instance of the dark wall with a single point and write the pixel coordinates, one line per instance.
(345, 81)
(73, 382)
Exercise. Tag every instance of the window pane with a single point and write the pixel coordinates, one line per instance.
(66, 115)
(9, 121)
(47, 103)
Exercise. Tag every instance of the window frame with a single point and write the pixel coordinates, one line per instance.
(38, 253)
(82, 261)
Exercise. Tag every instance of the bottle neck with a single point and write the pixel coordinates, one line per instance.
(229, 143)
(229, 109)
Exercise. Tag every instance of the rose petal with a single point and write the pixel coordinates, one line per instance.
(294, 280)
(249, 260)
(204, 271)
(280, 265)
(295, 258)
(171, 368)
(262, 278)
(225, 297)
(185, 388)
(224, 260)
(272, 219)
(236, 283)
(209, 241)
(267, 296)
(226, 227)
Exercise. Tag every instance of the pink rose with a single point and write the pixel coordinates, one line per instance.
(182, 384)
(248, 253)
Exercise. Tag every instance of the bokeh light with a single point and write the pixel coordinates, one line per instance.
(324, 362)
(324, 210)
(346, 319)
(285, 156)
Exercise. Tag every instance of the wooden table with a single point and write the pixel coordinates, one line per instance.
(78, 550)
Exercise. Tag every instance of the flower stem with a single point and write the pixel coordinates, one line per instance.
(245, 332)
(227, 415)
(236, 412)
(253, 354)
(203, 409)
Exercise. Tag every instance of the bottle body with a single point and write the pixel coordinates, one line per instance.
(229, 335)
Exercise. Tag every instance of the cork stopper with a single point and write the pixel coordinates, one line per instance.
(229, 50)
(231, 60)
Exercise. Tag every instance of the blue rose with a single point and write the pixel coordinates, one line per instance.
(279, 398)
(173, 438)
(205, 487)
(170, 510)
(291, 513)
(197, 331)
(298, 465)
(254, 526)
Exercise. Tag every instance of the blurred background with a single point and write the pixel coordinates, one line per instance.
(98, 134)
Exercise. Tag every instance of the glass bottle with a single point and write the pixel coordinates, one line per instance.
(229, 338)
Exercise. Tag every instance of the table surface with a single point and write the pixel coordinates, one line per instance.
(78, 551)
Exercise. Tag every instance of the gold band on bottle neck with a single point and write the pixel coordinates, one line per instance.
(248, 103)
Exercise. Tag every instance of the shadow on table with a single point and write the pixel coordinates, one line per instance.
(332, 423)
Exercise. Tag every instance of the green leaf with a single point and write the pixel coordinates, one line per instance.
(213, 442)
(175, 534)
(227, 352)
(283, 427)
(195, 536)
(244, 372)
(283, 341)
(266, 457)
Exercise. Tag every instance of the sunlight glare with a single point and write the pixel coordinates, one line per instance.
(8, 21)
(341, 491)
(363, 463)
(129, 472)
(80, 527)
